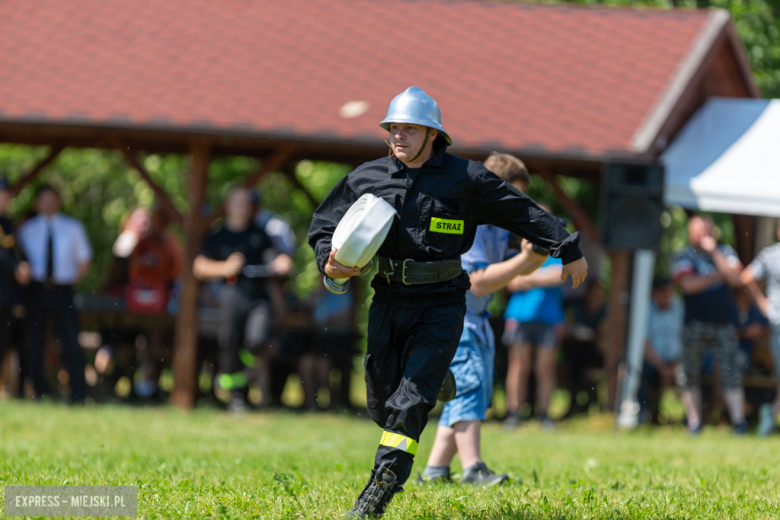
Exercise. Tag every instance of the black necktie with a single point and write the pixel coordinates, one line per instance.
(50, 254)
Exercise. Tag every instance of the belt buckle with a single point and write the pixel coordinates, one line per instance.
(403, 271)
(390, 272)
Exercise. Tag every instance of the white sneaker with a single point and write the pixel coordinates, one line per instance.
(767, 422)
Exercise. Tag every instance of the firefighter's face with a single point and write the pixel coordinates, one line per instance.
(407, 140)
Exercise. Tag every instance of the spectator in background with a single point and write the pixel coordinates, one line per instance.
(663, 348)
(582, 351)
(766, 267)
(241, 256)
(533, 317)
(704, 271)
(154, 263)
(489, 270)
(117, 275)
(284, 241)
(333, 333)
(14, 271)
(151, 258)
(278, 230)
(59, 254)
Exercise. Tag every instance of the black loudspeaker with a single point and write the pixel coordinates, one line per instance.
(632, 203)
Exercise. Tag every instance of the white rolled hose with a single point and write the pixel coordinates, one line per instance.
(359, 235)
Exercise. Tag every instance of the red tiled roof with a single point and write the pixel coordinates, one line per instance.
(510, 76)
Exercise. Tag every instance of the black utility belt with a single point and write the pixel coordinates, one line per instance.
(409, 272)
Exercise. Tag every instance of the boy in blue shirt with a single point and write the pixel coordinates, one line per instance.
(461, 419)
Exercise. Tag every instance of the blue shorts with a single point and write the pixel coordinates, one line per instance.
(473, 369)
(542, 335)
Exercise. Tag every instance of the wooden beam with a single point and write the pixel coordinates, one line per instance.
(579, 216)
(185, 358)
(132, 159)
(617, 319)
(290, 174)
(273, 163)
(30, 176)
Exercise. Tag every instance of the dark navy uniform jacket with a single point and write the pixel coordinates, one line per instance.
(9, 259)
(439, 208)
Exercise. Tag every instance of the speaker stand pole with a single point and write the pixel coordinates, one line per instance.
(641, 289)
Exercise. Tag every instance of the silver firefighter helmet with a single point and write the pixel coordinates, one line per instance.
(413, 106)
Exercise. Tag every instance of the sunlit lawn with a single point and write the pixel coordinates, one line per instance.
(207, 464)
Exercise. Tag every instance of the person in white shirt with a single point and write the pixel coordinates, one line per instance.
(59, 254)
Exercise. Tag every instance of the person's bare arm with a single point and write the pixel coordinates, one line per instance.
(207, 269)
(754, 331)
(547, 277)
(749, 281)
(652, 356)
(83, 270)
(727, 273)
(496, 276)
(23, 273)
(281, 265)
(695, 283)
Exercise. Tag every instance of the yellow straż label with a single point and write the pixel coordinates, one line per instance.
(442, 225)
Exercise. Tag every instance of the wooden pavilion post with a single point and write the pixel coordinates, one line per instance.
(186, 343)
(617, 319)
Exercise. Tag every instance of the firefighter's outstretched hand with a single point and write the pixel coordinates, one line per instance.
(578, 270)
(333, 269)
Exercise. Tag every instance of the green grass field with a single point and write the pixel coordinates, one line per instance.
(207, 464)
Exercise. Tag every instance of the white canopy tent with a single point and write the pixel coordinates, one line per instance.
(727, 159)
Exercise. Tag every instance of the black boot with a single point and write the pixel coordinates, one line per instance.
(373, 500)
(448, 389)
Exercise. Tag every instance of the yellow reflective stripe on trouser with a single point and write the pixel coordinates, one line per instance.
(399, 442)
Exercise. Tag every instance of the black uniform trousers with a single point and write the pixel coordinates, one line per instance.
(408, 355)
(57, 300)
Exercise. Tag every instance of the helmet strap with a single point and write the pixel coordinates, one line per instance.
(425, 143)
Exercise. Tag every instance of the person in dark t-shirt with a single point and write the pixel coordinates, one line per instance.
(241, 256)
(704, 272)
